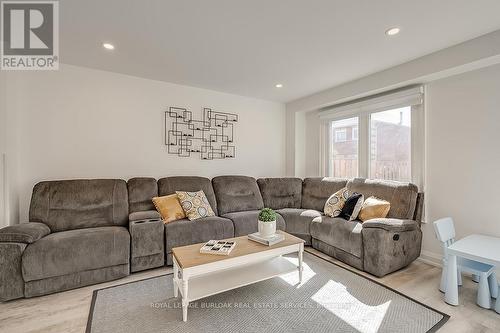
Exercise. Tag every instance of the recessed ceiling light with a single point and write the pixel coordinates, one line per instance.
(393, 31)
(279, 85)
(108, 46)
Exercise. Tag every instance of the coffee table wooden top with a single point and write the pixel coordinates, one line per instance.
(190, 256)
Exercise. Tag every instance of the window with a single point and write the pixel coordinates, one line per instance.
(355, 133)
(390, 144)
(340, 135)
(380, 137)
(344, 152)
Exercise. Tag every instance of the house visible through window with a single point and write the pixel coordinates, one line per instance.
(341, 135)
(344, 150)
(390, 144)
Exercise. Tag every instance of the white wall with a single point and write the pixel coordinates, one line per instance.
(3, 146)
(463, 154)
(9, 206)
(79, 122)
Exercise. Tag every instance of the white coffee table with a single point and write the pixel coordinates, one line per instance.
(199, 275)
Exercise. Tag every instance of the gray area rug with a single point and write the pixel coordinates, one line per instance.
(330, 299)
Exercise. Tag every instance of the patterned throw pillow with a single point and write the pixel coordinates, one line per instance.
(352, 207)
(335, 203)
(195, 204)
(169, 208)
(374, 208)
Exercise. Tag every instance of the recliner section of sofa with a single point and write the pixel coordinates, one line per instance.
(185, 232)
(394, 242)
(240, 201)
(285, 196)
(85, 239)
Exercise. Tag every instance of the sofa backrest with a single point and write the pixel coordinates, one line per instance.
(237, 193)
(402, 196)
(83, 203)
(315, 191)
(140, 192)
(278, 193)
(169, 185)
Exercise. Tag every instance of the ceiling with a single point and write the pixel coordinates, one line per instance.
(247, 47)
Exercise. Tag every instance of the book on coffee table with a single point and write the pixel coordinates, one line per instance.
(222, 248)
(274, 239)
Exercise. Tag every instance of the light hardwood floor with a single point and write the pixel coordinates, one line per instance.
(68, 311)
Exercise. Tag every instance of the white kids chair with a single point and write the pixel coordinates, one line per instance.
(482, 273)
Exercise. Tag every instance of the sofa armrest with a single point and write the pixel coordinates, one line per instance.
(11, 275)
(25, 233)
(389, 245)
(395, 225)
(144, 215)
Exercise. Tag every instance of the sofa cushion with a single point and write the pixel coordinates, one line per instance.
(74, 251)
(374, 208)
(335, 203)
(247, 222)
(195, 204)
(315, 191)
(298, 220)
(278, 193)
(339, 233)
(24, 233)
(352, 207)
(401, 196)
(140, 192)
(170, 185)
(76, 204)
(186, 232)
(237, 193)
(169, 208)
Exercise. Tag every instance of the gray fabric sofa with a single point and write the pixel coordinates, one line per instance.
(77, 235)
(83, 232)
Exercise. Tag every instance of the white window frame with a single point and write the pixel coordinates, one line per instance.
(413, 97)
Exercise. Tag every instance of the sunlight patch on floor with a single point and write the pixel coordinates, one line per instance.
(292, 278)
(335, 297)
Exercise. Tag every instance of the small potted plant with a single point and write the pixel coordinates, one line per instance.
(267, 222)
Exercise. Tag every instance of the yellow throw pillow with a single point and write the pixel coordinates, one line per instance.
(374, 208)
(335, 203)
(195, 204)
(169, 208)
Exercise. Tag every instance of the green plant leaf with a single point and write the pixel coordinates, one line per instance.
(267, 215)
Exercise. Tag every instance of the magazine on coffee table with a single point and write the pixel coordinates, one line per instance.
(274, 239)
(222, 248)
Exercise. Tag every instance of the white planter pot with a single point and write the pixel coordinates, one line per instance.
(267, 229)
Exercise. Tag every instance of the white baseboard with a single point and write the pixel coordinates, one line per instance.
(431, 258)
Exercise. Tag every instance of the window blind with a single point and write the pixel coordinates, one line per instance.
(410, 96)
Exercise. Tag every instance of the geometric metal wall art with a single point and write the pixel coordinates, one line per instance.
(211, 138)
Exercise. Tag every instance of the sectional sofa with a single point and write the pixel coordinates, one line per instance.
(82, 232)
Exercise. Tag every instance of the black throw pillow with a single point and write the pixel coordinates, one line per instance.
(352, 207)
